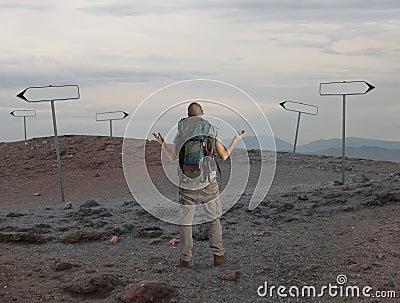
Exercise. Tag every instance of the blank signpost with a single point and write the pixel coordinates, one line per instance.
(300, 108)
(24, 113)
(50, 94)
(110, 116)
(344, 88)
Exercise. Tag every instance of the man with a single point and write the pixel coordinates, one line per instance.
(204, 187)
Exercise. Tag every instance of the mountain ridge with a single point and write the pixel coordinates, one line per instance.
(373, 149)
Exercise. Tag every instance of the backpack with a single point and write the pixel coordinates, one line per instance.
(196, 149)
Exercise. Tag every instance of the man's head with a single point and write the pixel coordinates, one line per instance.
(195, 109)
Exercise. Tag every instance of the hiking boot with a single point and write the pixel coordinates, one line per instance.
(183, 263)
(219, 260)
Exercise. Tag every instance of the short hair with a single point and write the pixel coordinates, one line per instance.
(194, 109)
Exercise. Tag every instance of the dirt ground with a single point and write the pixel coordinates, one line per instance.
(308, 231)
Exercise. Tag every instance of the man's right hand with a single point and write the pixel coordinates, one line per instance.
(158, 138)
(240, 135)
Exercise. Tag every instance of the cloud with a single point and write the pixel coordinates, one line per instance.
(257, 10)
(31, 71)
(27, 4)
(273, 49)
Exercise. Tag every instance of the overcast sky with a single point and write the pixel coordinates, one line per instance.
(120, 52)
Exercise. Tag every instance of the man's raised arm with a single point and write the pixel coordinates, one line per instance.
(168, 148)
(223, 152)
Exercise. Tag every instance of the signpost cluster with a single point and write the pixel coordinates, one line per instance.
(54, 93)
(343, 88)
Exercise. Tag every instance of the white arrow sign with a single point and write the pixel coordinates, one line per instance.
(23, 113)
(110, 116)
(50, 93)
(299, 107)
(117, 115)
(345, 88)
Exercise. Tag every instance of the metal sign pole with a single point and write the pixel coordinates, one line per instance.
(53, 112)
(110, 128)
(344, 140)
(297, 133)
(344, 88)
(25, 127)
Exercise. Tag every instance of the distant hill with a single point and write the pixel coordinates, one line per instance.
(366, 152)
(320, 145)
(252, 142)
(355, 147)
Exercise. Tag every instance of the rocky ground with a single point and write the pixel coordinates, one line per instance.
(306, 232)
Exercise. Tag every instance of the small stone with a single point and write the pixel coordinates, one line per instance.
(285, 207)
(82, 236)
(174, 242)
(67, 205)
(302, 197)
(146, 292)
(37, 194)
(360, 179)
(90, 271)
(154, 241)
(90, 284)
(261, 272)
(14, 215)
(113, 240)
(61, 266)
(127, 203)
(89, 204)
(151, 232)
(337, 183)
(230, 275)
(366, 267)
(381, 256)
(29, 236)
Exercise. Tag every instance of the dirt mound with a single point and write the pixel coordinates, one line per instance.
(30, 176)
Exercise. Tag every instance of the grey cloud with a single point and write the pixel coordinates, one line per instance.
(27, 4)
(261, 10)
(92, 76)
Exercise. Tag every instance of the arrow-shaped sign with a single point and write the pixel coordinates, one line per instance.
(117, 115)
(23, 113)
(345, 88)
(299, 107)
(50, 93)
(110, 116)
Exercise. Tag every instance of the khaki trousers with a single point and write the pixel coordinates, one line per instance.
(209, 197)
